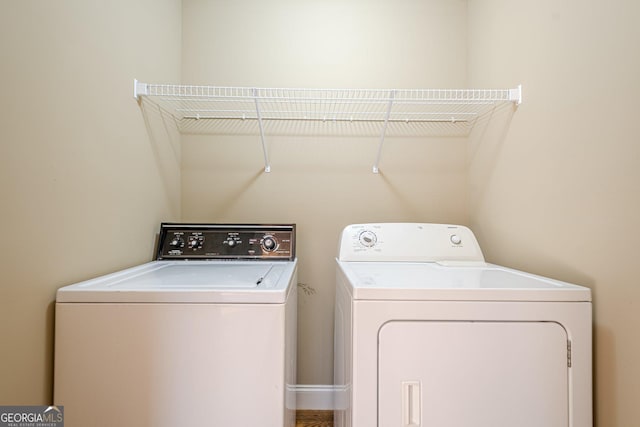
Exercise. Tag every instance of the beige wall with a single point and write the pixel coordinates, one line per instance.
(554, 188)
(83, 187)
(323, 184)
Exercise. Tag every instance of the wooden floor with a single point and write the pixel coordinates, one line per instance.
(314, 419)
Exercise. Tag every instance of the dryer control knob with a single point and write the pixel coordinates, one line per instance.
(455, 239)
(368, 238)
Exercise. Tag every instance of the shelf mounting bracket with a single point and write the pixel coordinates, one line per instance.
(515, 95)
(267, 166)
(139, 89)
(392, 95)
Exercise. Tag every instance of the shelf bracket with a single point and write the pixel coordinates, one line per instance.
(515, 95)
(267, 166)
(139, 89)
(392, 95)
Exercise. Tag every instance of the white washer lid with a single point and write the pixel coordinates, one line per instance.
(188, 281)
(431, 281)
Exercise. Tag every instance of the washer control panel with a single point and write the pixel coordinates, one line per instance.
(409, 242)
(226, 241)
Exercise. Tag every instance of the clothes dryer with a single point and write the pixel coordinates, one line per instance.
(429, 334)
(205, 335)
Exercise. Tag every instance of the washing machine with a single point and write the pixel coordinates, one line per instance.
(430, 335)
(204, 335)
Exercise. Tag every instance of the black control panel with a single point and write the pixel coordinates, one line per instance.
(226, 241)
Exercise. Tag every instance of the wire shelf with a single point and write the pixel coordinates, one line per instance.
(201, 109)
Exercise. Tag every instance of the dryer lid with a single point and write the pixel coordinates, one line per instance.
(431, 281)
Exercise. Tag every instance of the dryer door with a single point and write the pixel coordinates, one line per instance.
(481, 374)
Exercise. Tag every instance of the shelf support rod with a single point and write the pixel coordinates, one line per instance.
(392, 95)
(267, 166)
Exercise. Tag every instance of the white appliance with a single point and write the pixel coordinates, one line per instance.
(429, 335)
(205, 335)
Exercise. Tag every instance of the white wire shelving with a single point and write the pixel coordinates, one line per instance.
(199, 107)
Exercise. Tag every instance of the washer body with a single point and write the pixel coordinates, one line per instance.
(434, 336)
(185, 342)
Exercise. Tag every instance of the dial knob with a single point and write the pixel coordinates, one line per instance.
(231, 243)
(368, 238)
(176, 242)
(195, 242)
(269, 243)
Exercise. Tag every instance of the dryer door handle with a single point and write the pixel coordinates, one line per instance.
(411, 404)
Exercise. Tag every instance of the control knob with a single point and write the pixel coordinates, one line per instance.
(269, 243)
(195, 243)
(368, 238)
(176, 242)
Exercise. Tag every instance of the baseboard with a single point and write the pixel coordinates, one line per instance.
(319, 397)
